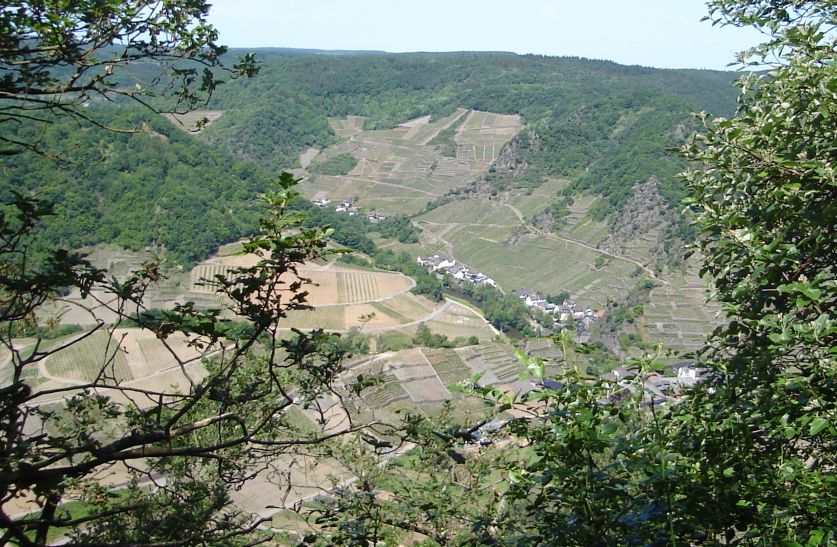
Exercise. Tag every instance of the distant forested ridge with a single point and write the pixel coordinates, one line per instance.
(605, 125)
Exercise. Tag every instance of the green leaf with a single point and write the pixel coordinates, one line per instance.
(516, 475)
(816, 537)
(817, 425)
(609, 429)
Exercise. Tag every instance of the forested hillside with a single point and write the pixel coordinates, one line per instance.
(605, 125)
(153, 186)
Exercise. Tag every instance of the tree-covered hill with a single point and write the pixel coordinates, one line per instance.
(602, 125)
(609, 122)
(156, 186)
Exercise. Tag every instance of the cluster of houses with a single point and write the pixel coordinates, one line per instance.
(442, 264)
(347, 206)
(565, 312)
(343, 206)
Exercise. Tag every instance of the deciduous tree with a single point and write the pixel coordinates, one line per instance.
(56, 57)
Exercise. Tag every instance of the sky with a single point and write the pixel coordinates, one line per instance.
(658, 33)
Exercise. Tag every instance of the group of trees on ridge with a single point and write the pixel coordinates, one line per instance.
(747, 457)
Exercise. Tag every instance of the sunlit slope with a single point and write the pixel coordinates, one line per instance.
(399, 170)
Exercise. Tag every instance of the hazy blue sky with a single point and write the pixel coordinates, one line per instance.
(660, 33)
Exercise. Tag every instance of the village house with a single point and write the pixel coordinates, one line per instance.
(345, 205)
(441, 263)
(529, 298)
(321, 202)
(457, 272)
(436, 262)
(375, 216)
(688, 375)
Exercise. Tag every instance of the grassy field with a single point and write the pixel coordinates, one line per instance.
(472, 212)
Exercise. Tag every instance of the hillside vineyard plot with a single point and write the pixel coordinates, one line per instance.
(400, 171)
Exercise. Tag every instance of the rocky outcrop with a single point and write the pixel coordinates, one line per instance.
(641, 224)
(508, 162)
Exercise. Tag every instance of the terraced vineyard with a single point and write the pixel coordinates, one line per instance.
(399, 171)
(447, 364)
(680, 316)
(86, 360)
(496, 361)
(579, 226)
(385, 393)
(535, 200)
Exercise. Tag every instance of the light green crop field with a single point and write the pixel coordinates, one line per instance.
(544, 263)
(87, 359)
(536, 201)
(472, 211)
(412, 249)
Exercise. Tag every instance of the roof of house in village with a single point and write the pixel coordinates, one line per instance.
(523, 293)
